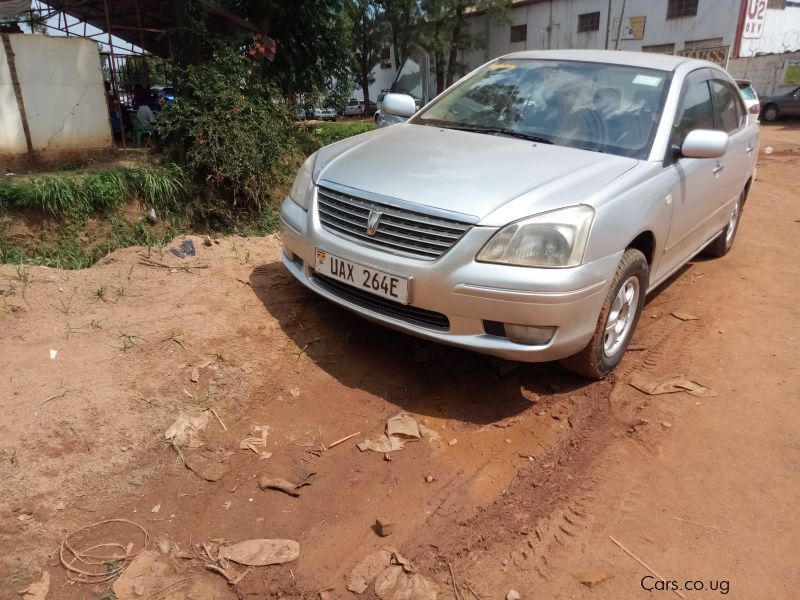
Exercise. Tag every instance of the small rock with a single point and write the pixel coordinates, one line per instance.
(163, 545)
(504, 562)
(429, 478)
(294, 392)
(666, 424)
(507, 440)
(60, 505)
(512, 595)
(138, 589)
(195, 375)
(207, 240)
(387, 457)
(325, 595)
(384, 527)
(452, 442)
(769, 150)
(226, 505)
(156, 508)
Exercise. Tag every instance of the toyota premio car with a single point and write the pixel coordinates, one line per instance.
(528, 210)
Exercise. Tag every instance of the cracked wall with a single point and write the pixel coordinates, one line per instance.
(62, 87)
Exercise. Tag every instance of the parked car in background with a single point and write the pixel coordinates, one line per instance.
(165, 92)
(527, 211)
(785, 105)
(750, 97)
(323, 114)
(353, 108)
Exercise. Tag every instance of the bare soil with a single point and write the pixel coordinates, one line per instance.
(535, 471)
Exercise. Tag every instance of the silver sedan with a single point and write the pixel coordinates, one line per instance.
(528, 210)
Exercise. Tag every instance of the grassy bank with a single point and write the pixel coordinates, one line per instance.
(71, 219)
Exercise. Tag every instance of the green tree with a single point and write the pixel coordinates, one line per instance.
(403, 17)
(313, 41)
(369, 34)
(446, 34)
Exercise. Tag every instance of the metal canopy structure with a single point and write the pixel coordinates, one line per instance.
(147, 25)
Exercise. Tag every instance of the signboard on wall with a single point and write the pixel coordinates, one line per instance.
(632, 28)
(754, 15)
(716, 54)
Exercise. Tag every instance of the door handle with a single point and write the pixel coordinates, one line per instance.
(718, 168)
(749, 148)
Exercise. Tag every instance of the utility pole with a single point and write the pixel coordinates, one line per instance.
(609, 20)
(619, 25)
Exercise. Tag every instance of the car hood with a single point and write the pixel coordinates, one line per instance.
(490, 178)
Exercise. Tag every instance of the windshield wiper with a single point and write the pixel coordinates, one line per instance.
(500, 131)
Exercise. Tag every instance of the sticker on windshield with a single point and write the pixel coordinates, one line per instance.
(647, 80)
(502, 66)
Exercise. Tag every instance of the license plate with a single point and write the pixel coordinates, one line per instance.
(365, 278)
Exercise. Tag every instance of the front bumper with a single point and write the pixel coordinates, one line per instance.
(466, 292)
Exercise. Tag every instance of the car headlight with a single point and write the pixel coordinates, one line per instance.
(303, 185)
(553, 239)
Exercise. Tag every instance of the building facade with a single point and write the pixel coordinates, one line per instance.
(715, 30)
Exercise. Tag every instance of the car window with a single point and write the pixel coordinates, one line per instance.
(748, 92)
(696, 111)
(729, 115)
(592, 106)
(409, 80)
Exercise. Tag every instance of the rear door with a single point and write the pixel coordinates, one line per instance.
(730, 116)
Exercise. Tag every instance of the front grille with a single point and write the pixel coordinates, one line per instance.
(411, 314)
(400, 231)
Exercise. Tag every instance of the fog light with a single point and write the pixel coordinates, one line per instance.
(533, 336)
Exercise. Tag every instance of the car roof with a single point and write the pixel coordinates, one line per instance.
(647, 60)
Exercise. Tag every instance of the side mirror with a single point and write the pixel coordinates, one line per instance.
(705, 143)
(400, 105)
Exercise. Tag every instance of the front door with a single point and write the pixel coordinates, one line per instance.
(696, 181)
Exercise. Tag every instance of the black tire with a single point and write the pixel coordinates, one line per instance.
(594, 361)
(723, 243)
(771, 113)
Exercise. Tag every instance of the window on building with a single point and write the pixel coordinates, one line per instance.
(677, 9)
(519, 33)
(660, 48)
(589, 22)
(700, 44)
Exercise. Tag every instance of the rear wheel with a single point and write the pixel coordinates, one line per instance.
(723, 243)
(771, 113)
(618, 319)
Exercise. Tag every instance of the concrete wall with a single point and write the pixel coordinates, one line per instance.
(766, 72)
(62, 87)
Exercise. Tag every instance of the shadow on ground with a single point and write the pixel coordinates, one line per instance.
(416, 375)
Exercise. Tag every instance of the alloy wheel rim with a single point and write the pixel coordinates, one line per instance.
(621, 316)
(770, 114)
(731, 231)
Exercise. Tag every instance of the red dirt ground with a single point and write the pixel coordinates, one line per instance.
(546, 467)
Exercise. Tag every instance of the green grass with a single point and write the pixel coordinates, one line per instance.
(76, 196)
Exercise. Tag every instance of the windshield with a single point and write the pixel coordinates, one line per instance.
(593, 106)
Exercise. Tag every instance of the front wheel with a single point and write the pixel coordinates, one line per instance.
(618, 319)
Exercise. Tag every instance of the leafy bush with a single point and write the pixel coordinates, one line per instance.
(78, 195)
(232, 129)
(322, 134)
